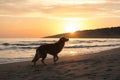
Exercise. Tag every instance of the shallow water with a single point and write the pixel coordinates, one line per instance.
(23, 49)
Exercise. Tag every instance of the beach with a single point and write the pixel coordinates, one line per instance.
(103, 65)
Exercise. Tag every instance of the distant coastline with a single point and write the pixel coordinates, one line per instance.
(112, 32)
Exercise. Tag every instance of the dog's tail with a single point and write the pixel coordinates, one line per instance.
(36, 57)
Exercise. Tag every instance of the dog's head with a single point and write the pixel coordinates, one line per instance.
(64, 39)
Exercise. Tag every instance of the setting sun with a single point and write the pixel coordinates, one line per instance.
(72, 27)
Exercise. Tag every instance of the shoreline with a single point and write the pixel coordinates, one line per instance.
(97, 66)
(15, 60)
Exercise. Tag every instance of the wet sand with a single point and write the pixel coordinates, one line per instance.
(104, 65)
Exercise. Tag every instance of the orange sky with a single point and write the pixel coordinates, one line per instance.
(38, 18)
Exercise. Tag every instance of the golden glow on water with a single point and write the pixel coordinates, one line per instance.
(72, 53)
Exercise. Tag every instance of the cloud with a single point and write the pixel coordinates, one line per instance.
(60, 8)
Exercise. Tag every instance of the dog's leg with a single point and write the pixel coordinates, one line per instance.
(43, 58)
(36, 60)
(55, 58)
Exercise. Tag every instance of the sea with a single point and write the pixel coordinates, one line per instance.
(23, 49)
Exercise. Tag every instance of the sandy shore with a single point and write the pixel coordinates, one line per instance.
(99, 66)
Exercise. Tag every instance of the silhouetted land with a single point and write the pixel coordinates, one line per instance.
(113, 32)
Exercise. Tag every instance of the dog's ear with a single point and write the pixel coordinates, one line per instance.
(62, 38)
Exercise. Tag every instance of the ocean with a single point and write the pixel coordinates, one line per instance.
(23, 49)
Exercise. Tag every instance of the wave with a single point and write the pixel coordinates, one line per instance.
(30, 43)
(92, 41)
(14, 48)
(5, 44)
(21, 44)
(83, 46)
(74, 46)
(36, 43)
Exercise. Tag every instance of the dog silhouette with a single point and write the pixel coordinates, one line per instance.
(52, 49)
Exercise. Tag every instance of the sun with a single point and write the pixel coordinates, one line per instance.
(72, 27)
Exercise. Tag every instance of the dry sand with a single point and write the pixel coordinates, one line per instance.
(104, 65)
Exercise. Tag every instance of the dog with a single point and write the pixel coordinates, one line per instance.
(52, 49)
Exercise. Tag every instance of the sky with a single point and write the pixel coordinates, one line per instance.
(39, 18)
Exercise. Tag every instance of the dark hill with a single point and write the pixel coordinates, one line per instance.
(113, 32)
